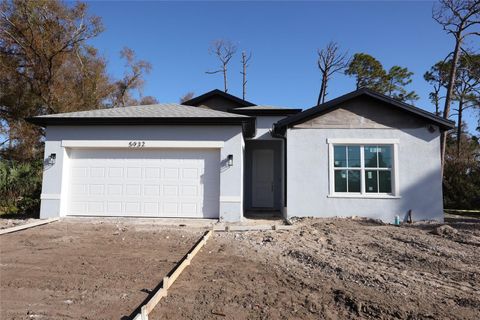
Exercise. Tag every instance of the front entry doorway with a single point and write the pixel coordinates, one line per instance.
(262, 178)
(264, 182)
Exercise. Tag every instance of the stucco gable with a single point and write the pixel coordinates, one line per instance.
(219, 103)
(363, 108)
(363, 112)
(218, 100)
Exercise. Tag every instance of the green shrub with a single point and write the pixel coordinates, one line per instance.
(461, 182)
(20, 186)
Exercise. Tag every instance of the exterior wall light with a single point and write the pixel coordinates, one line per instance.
(51, 158)
(230, 160)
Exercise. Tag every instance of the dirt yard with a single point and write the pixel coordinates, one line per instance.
(9, 223)
(85, 270)
(333, 269)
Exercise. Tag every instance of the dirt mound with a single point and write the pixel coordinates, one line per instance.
(331, 269)
(445, 231)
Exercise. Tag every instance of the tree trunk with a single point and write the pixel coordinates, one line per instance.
(10, 138)
(225, 78)
(459, 126)
(244, 83)
(323, 87)
(448, 98)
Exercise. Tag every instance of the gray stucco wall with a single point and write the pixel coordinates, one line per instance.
(219, 103)
(419, 177)
(264, 126)
(231, 178)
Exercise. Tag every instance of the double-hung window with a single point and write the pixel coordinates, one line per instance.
(362, 169)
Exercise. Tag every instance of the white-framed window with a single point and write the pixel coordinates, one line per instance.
(363, 168)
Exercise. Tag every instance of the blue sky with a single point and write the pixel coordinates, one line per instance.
(283, 38)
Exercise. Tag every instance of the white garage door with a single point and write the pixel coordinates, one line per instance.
(147, 182)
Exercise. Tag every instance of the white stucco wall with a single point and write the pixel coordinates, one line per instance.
(55, 180)
(419, 177)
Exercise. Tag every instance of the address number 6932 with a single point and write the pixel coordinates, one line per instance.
(136, 144)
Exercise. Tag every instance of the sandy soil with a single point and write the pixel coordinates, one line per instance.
(85, 270)
(333, 269)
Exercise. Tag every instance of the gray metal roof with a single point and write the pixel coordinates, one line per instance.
(162, 110)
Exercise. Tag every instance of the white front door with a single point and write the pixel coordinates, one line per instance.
(262, 178)
(145, 183)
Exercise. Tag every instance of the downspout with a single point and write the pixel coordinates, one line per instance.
(274, 132)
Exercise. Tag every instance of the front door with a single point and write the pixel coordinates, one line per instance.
(262, 178)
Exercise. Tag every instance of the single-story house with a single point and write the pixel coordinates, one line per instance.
(218, 156)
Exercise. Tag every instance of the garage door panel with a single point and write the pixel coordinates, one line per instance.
(151, 190)
(153, 183)
(114, 207)
(114, 189)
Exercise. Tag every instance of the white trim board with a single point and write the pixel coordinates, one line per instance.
(351, 141)
(143, 144)
(230, 199)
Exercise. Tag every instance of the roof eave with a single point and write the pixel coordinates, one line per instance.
(267, 112)
(247, 123)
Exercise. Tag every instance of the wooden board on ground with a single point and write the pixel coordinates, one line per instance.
(27, 226)
(170, 279)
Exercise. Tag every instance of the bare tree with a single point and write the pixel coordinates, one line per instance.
(148, 100)
(132, 80)
(457, 17)
(245, 60)
(187, 96)
(330, 60)
(224, 50)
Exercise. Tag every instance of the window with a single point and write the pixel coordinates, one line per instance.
(378, 169)
(347, 168)
(362, 169)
